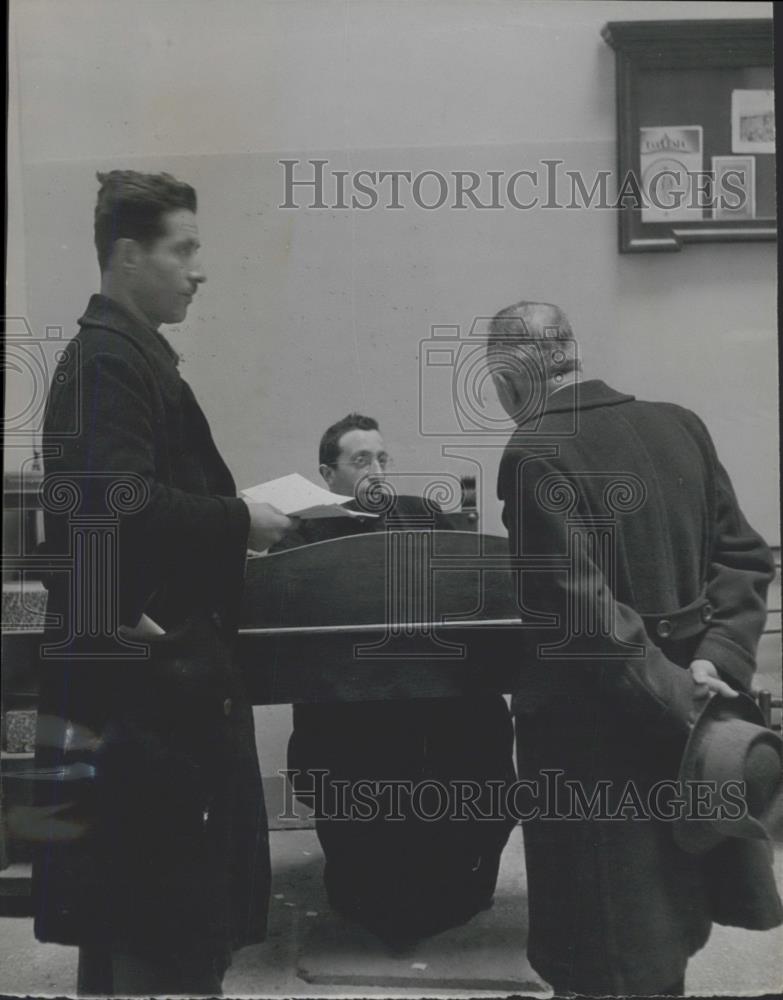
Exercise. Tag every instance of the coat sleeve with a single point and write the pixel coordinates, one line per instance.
(740, 570)
(618, 658)
(170, 527)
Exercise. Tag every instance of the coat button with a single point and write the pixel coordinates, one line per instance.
(706, 613)
(664, 628)
(227, 704)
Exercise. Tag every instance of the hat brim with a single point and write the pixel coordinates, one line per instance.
(698, 835)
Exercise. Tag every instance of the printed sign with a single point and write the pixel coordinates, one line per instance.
(671, 164)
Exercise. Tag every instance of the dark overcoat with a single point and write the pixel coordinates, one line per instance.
(408, 877)
(632, 519)
(153, 831)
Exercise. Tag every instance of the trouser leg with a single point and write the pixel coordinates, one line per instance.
(677, 989)
(94, 971)
(189, 974)
(106, 972)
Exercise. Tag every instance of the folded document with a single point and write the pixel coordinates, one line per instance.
(296, 496)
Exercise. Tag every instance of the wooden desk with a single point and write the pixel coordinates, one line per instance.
(380, 616)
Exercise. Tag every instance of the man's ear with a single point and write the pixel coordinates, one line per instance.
(327, 472)
(126, 254)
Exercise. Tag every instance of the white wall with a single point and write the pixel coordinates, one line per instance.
(309, 314)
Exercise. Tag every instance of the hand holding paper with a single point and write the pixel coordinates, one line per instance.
(298, 497)
(145, 628)
(267, 525)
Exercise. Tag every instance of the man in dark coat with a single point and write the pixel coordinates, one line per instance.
(153, 853)
(644, 592)
(410, 877)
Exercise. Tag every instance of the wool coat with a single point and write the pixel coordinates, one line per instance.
(624, 517)
(409, 877)
(153, 832)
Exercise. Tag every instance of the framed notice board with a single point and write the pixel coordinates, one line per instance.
(695, 132)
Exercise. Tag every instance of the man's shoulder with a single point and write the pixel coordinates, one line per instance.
(104, 328)
(96, 351)
(660, 416)
(661, 406)
(107, 328)
(414, 512)
(601, 429)
(110, 339)
(95, 341)
(598, 406)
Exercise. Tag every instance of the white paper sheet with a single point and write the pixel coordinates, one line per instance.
(753, 121)
(298, 497)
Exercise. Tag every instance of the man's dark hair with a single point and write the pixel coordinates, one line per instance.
(329, 448)
(132, 205)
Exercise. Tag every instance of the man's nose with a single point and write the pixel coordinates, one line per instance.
(197, 273)
(375, 464)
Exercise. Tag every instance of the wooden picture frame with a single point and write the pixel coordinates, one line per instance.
(681, 89)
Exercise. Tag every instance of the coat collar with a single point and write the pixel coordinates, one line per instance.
(589, 395)
(107, 314)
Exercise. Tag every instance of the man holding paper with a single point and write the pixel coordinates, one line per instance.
(153, 849)
(408, 877)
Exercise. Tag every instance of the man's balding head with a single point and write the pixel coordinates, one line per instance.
(531, 351)
(524, 322)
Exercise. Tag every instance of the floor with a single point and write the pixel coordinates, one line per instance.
(307, 942)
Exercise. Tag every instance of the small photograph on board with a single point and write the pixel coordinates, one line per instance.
(670, 162)
(753, 121)
(734, 190)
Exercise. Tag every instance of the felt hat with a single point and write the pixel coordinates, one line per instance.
(730, 743)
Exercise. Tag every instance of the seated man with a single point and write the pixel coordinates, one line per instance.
(408, 877)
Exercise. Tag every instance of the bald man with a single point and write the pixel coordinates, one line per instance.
(646, 542)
